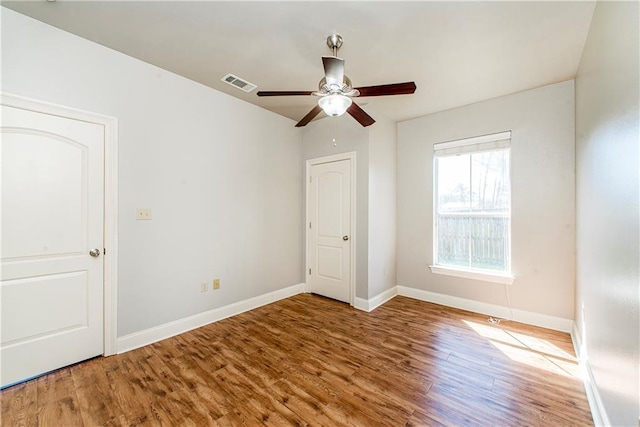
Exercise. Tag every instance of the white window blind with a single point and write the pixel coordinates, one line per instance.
(469, 145)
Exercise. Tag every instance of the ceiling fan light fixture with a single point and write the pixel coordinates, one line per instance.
(334, 105)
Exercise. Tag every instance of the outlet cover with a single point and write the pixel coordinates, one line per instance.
(216, 284)
(143, 214)
(204, 287)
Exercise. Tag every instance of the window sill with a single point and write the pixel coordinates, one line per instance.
(505, 279)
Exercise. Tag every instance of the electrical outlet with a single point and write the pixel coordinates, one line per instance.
(204, 287)
(143, 214)
(216, 284)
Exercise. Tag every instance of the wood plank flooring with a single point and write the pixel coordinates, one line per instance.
(308, 360)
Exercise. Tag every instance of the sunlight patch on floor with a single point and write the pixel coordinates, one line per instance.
(529, 350)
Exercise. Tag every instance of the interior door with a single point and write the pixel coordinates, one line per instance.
(51, 280)
(329, 230)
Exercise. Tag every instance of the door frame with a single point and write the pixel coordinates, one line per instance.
(351, 156)
(110, 231)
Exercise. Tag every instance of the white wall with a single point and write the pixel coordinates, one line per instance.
(350, 136)
(543, 235)
(608, 208)
(382, 205)
(223, 178)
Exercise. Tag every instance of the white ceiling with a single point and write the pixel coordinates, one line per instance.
(456, 52)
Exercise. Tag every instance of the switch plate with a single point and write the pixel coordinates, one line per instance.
(143, 214)
(216, 284)
(204, 287)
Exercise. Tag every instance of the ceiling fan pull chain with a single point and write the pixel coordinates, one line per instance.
(335, 144)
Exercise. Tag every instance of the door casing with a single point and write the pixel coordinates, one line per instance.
(351, 156)
(110, 297)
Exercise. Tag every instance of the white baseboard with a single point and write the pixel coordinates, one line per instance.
(361, 304)
(167, 330)
(599, 413)
(375, 302)
(528, 317)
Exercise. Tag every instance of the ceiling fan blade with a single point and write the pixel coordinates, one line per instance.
(360, 115)
(306, 119)
(333, 70)
(391, 89)
(282, 93)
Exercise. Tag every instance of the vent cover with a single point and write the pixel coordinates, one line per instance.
(239, 83)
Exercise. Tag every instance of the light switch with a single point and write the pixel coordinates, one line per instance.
(143, 213)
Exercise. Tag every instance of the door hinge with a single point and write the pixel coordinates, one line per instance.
(309, 271)
(104, 251)
(309, 224)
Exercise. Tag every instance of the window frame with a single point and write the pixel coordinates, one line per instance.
(488, 275)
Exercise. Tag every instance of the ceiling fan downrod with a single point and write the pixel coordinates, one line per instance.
(334, 41)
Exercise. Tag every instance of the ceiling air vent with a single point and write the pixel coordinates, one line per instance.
(239, 83)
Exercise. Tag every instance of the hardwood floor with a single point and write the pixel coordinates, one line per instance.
(308, 360)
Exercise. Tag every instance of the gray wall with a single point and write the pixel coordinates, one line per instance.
(350, 136)
(543, 234)
(607, 193)
(222, 177)
(375, 148)
(382, 205)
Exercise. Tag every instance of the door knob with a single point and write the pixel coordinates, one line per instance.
(345, 237)
(94, 252)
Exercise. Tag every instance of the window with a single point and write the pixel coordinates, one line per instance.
(472, 215)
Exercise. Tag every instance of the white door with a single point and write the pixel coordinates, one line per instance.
(329, 230)
(51, 288)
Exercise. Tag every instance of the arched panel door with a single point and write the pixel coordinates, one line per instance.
(52, 222)
(329, 239)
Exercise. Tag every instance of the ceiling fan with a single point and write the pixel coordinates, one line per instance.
(335, 90)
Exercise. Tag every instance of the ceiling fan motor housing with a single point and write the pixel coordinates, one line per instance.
(325, 89)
